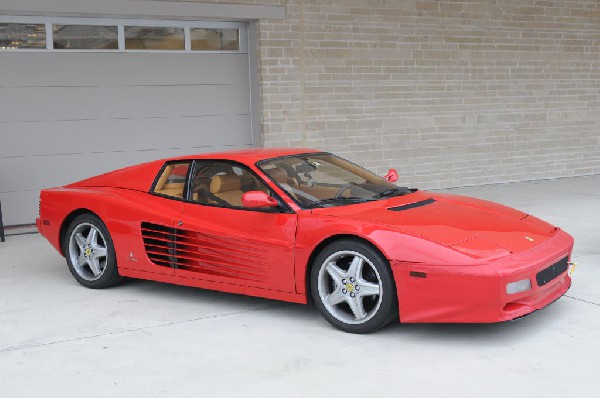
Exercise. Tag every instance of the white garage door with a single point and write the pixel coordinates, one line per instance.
(67, 114)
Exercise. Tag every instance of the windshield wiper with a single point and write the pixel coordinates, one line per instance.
(342, 199)
(397, 191)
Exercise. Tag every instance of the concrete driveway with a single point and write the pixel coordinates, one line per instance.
(147, 339)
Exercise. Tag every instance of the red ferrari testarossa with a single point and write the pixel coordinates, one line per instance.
(301, 225)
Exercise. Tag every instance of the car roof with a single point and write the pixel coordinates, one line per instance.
(248, 156)
(140, 177)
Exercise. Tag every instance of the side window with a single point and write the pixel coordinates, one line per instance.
(171, 181)
(223, 184)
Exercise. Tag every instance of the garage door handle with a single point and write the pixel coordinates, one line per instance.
(1, 224)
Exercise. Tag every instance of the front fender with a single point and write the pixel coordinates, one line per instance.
(315, 229)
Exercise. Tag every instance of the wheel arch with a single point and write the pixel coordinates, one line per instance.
(67, 221)
(324, 243)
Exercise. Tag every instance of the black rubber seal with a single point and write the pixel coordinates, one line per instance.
(412, 205)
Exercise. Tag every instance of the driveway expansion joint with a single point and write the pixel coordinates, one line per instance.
(137, 329)
(585, 301)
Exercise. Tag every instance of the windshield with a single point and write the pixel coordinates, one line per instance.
(322, 179)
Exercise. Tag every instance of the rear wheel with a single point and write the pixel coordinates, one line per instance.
(353, 287)
(90, 253)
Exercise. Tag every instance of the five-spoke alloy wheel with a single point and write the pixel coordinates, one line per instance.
(353, 287)
(90, 253)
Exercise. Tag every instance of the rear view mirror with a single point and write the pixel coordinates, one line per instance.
(257, 199)
(391, 176)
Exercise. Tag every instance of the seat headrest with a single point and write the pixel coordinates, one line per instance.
(224, 183)
(279, 175)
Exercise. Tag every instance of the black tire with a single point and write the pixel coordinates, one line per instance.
(91, 255)
(337, 291)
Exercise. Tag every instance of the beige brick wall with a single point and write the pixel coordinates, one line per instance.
(450, 93)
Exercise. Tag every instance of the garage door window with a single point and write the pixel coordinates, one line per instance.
(98, 34)
(85, 37)
(14, 36)
(215, 39)
(154, 38)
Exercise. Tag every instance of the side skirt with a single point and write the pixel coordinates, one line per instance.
(221, 287)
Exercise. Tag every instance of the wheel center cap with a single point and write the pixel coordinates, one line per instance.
(88, 251)
(350, 287)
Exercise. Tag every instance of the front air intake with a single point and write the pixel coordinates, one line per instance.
(548, 274)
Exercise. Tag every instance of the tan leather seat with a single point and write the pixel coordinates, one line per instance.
(227, 187)
(281, 177)
(168, 188)
(323, 192)
(172, 190)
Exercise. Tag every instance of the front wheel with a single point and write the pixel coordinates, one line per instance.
(353, 287)
(90, 253)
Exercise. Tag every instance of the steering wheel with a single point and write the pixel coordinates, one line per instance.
(342, 189)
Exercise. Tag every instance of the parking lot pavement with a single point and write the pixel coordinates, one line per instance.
(147, 339)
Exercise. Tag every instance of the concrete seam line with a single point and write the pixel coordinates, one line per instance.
(138, 329)
(585, 301)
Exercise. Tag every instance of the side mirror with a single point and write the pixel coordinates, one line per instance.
(257, 199)
(391, 176)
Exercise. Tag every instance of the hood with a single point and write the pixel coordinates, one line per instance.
(475, 227)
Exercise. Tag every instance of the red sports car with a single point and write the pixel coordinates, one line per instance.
(301, 225)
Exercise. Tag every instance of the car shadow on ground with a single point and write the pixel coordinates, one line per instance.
(501, 333)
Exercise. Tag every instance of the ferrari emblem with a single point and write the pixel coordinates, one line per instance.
(88, 251)
(529, 239)
(350, 287)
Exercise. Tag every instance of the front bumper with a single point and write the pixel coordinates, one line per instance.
(477, 293)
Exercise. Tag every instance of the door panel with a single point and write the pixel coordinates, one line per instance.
(143, 238)
(242, 247)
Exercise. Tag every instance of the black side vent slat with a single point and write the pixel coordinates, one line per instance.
(412, 205)
(548, 274)
(198, 252)
(159, 228)
(160, 243)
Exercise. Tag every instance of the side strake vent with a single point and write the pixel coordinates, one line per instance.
(203, 253)
(159, 242)
(412, 205)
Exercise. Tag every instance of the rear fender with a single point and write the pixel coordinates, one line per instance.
(121, 211)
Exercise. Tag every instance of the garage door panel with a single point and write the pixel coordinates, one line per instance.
(73, 103)
(31, 174)
(87, 136)
(19, 207)
(67, 115)
(121, 69)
